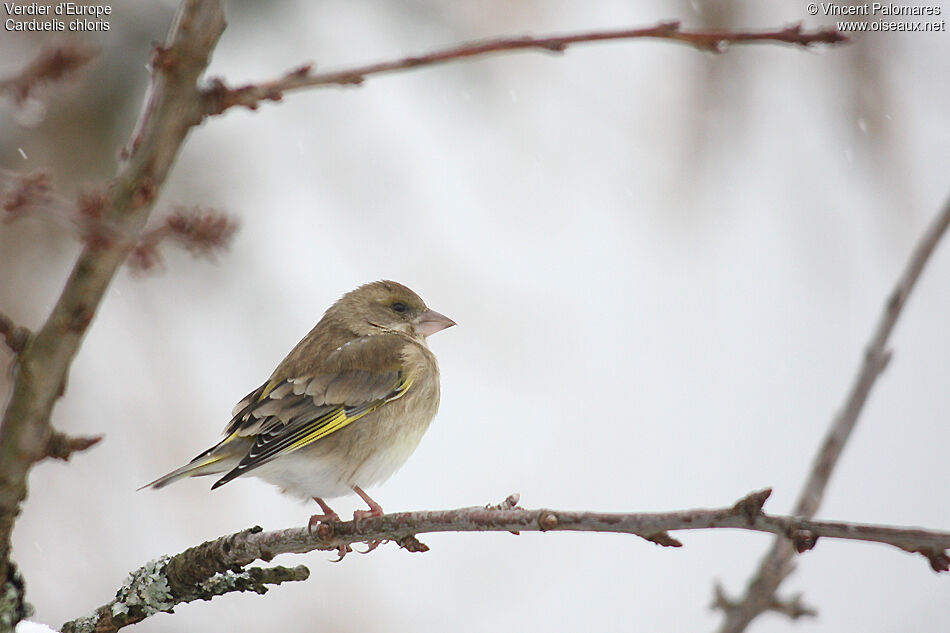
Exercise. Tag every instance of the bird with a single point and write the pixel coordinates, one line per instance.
(343, 411)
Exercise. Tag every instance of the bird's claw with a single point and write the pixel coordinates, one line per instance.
(342, 550)
(370, 546)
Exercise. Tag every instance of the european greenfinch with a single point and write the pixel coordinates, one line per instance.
(344, 410)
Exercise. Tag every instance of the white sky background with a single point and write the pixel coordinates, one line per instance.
(641, 326)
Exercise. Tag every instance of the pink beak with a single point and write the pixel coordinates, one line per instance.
(430, 322)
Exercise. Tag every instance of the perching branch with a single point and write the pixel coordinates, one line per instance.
(777, 564)
(186, 573)
(172, 108)
(219, 97)
(153, 588)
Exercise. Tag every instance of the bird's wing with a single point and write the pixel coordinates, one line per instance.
(288, 413)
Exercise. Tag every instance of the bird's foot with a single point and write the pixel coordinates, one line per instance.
(328, 515)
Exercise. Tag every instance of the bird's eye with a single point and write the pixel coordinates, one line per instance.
(399, 307)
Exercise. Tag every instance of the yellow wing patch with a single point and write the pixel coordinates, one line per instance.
(269, 446)
(340, 418)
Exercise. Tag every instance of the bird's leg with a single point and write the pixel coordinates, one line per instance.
(328, 514)
(375, 510)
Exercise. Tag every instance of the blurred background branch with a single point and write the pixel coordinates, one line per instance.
(219, 97)
(777, 564)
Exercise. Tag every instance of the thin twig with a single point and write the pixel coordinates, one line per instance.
(179, 575)
(220, 97)
(777, 564)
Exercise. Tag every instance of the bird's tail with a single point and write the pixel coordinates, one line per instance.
(196, 468)
(217, 459)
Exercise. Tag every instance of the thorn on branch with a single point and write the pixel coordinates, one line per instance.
(793, 608)
(164, 58)
(750, 505)
(14, 336)
(62, 446)
(824, 36)
(664, 539)
(939, 561)
(794, 31)
(51, 64)
(554, 45)
(673, 26)
(412, 544)
(803, 540)
(547, 521)
(721, 601)
(218, 96)
(301, 71)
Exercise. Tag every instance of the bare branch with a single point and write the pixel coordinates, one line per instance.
(183, 573)
(219, 97)
(52, 64)
(777, 563)
(172, 108)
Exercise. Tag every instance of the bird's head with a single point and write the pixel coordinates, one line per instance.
(388, 306)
